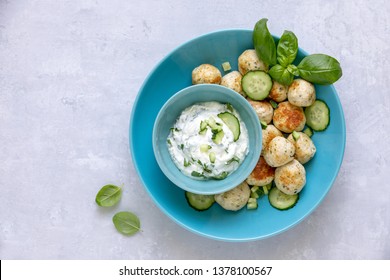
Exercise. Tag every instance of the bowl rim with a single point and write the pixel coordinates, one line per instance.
(173, 217)
(218, 186)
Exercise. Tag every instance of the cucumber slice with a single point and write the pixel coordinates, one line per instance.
(273, 104)
(308, 131)
(256, 84)
(254, 192)
(199, 202)
(217, 136)
(280, 200)
(254, 195)
(204, 147)
(203, 127)
(226, 66)
(232, 123)
(212, 157)
(213, 124)
(295, 135)
(263, 124)
(252, 204)
(317, 115)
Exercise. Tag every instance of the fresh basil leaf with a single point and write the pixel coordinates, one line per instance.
(264, 43)
(281, 75)
(126, 223)
(293, 69)
(287, 48)
(229, 107)
(109, 195)
(320, 69)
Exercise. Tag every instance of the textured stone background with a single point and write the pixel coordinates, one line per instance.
(69, 74)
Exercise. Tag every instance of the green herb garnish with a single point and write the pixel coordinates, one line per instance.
(126, 223)
(315, 68)
(108, 196)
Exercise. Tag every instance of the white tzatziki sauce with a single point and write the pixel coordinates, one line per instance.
(199, 148)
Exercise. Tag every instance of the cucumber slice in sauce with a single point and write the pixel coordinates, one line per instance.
(256, 84)
(317, 115)
(199, 202)
(212, 157)
(280, 200)
(217, 136)
(232, 123)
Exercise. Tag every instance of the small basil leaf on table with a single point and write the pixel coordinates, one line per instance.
(264, 43)
(281, 74)
(126, 223)
(109, 195)
(287, 48)
(320, 69)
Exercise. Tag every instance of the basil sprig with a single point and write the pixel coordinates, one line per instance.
(287, 48)
(315, 68)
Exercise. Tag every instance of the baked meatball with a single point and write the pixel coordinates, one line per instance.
(232, 80)
(262, 174)
(206, 74)
(264, 110)
(291, 177)
(279, 152)
(301, 93)
(304, 147)
(288, 117)
(269, 133)
(278, 92)
(249, 61)
(234, 199)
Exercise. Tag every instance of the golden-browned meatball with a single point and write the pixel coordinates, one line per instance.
(206, 74)
(234, 199)
(301, 93)
(304, 147)
(279, 152)
(291, 177)
(288, 117)
(264, 110)
(269, 133)
(262, 174)
(249, 61)
(278, 92)
(232, 80)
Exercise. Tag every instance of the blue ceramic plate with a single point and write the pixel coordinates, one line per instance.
(172, 74)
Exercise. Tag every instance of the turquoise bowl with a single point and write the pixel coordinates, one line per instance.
(171, 110)
(173, 74)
